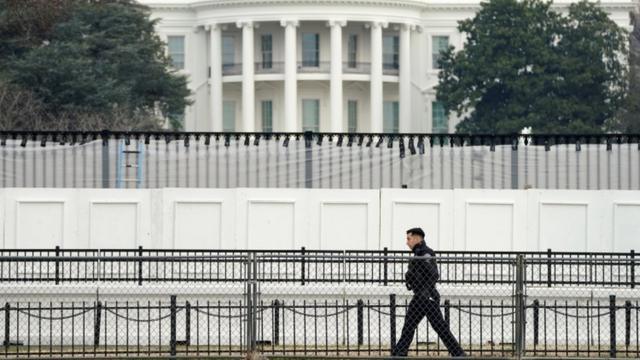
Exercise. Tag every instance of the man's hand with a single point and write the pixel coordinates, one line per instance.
(408, 280)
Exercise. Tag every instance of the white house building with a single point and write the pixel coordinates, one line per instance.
(320, 65)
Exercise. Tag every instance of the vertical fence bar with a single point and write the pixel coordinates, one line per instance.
(632, 271)
(254, 304)
(386, 266)
(7, 323)
(172, 312)
(276, 322)
(308, 160)
(360, 322)
(612, 326)
(140, 265)
(627, 323)
(519, 310)
(548, 267)
(251, 298)
(302, 266)
(536, 321)
(105, 158)
(96, 324)
(392, 320)
(57, 265)
(187, 325)
(514, 163)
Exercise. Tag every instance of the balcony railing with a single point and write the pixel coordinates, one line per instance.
(356, 67)
(390, 69)
(232, 69)
(269, 67)
(314, 67)
(277, 67)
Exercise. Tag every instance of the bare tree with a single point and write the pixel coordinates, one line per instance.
(22, 110)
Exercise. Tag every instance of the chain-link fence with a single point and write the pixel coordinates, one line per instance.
(140, 302)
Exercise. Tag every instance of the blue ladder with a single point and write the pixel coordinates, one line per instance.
(125, 166)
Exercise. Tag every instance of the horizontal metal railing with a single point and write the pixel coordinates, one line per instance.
(356, 67)
(314, 66)
(304, 266)
(269, 67)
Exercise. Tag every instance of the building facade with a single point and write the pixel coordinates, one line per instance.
(319, 65)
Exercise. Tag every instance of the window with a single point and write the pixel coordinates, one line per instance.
(175, 45)
(352, 114)
(438, 45)
(228, 52)
(391, 113)
(229, 116)
(267, 116)
(310, 49)
(439, 120)
(267, 51)
(352, 52)
(310, 115)
(391, 51)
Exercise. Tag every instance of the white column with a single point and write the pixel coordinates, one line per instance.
(336, 75)
(215, 62)
(290, 76)
(376, 97)
(248, 86)
(405, 78)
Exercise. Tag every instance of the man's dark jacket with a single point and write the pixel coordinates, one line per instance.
(422, 274)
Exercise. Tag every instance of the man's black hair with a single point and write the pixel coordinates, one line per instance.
(416, 231)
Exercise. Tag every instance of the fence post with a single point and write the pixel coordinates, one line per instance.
(303, 268)
(172, 312)
(633, 269)
(7, 316)
(392, 320)
(254, 308)
(514, 162)
(360, 322)
(548, 267)
(612, 326)
(57, 265)
(308, 160)
(536, 319)
(251, 299)
(106, 136)
(386, 266)
(187, 325)
(276, 322)
(96, 324)
(140, 265)
(627, 323)
(519, 310)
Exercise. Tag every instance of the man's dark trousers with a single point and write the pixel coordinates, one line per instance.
(419, 307)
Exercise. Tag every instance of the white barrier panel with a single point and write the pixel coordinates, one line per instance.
(253, 218)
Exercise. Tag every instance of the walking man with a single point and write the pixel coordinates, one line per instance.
(421, 277)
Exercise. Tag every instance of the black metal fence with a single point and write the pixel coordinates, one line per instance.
(318, 160)
(304, 266)
(143, 302)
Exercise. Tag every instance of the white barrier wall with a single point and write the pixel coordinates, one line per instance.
(251, 218)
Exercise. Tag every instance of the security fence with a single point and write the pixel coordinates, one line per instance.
(143, 302)
(318, 160)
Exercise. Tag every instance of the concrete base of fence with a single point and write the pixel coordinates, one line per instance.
(119, 291)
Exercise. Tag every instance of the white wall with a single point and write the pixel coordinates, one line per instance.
(319, 218)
